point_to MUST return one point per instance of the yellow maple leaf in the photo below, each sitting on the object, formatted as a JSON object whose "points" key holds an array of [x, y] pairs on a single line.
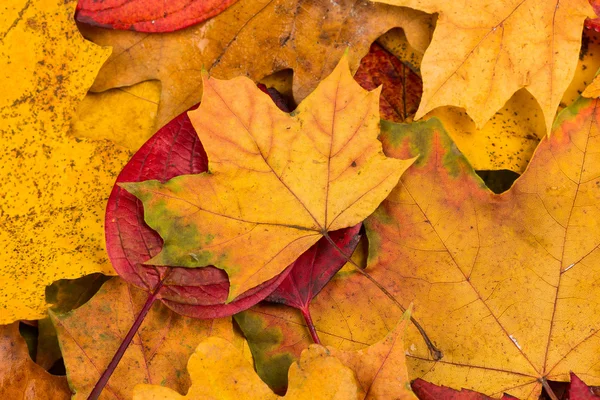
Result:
{"points": [[252, 38], [277, 182], [482, 52], [503, 284], [218, 371]]}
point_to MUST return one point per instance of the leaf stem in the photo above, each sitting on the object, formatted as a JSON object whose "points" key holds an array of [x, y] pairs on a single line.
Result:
{"points": [[309, 323], [549, 390], [435, 353], [95, 393]]}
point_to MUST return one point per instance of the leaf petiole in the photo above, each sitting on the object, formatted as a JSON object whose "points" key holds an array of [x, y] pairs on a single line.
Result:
{"points": [[309, 323]]}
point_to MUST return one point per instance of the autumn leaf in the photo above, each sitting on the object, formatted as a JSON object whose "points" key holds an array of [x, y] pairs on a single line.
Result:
{"points": [[594, 22], [306, 36], [279, 189], [211, 367], [53, 185], [381, 368], [428, 391], [125, 116], [313, 270], [148, 15], [483, 52], [64, 295], [578, 390], [90, 335], [22, 378], [201, 293], [501, 282], [350, 313]]}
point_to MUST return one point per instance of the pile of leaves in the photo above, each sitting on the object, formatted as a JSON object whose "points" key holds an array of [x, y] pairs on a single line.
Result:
{"points": [[221, 199]]}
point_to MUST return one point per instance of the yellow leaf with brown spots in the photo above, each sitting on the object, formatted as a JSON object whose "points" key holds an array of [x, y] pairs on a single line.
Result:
{"points": [[482, 52], [278, 182], [53, 186], [252, 38]]}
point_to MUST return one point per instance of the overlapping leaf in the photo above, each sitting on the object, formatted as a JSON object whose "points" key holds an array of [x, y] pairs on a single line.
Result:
{"points": [[279, 189], [502, 283], [483, 52], [305, 35], [90, 335], [218, 371], [20, 377], [52, 195], [148, 15]]}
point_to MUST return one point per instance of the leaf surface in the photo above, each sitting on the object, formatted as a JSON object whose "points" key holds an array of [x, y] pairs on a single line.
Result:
{"points": [[174, 150], [90, 335], [349, 314], [279, 189], [148, 15], [20, 377], [428, 391], [578, 390], [314, 269], [500, 282], [485, 51], [218, 371], [304, 35], [53, 185]]}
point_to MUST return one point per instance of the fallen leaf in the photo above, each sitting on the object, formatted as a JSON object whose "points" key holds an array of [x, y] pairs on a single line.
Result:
{"points": [[428, 391], [90, 335], [594, 23], [63, 295], [314, 269], [125, 116], [305, 35], [496, 280], [20, 377], [280, 189], [218, 371], [401, 90], [350, 313], [396, 42], [381, 368], [53, 186], [148, 15], [201, 293], [578, 390], [519, 43]]}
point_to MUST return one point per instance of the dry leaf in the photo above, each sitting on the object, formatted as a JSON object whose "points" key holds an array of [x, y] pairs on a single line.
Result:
{"points": [[126, 116], [219, 372], [308, 36], [53, 186], [483, 52], [90, 335], [21, 378], [503, 284], [279, 189]]}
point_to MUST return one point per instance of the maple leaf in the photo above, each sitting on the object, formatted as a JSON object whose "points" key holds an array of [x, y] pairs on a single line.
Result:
{"points": [[578, 390], [503, 283], [53, 185], [483, 52], [90, 335], [148, 15], [306, 36], [211, 366], [22, 378], [277, 181]]}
